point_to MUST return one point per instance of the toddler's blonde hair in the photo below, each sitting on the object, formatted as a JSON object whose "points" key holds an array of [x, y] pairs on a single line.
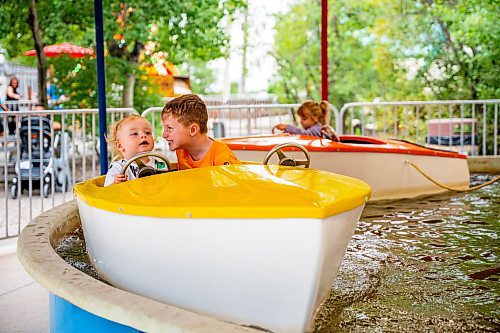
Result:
{"points": [[112, 137]]}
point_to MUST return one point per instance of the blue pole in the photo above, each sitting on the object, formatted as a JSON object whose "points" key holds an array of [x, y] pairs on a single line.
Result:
{"points": [[101, 84]]}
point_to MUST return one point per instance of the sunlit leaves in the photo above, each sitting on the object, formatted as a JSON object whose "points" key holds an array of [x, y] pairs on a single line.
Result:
{"points": [[391, 50]]}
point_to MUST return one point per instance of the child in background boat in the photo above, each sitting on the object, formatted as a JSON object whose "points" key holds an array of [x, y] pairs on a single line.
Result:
{"points": [[184, 122], [128, 137], [312, 118]]}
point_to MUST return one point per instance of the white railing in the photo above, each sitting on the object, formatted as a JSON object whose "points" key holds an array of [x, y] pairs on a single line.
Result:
{"points": [[237, 120], [243, 120], [75, 154], [21, 105], [468, 121], [37, 173]]}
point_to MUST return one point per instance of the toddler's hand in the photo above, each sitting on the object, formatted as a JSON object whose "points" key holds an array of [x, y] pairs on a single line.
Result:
{"points": [[120, 178], [329, 133], [280, 127]]}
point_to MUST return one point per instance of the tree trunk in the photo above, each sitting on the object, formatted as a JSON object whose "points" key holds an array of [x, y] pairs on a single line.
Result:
{"points": [[128, 92], [133, 59], [42, 67], [244, 69]]}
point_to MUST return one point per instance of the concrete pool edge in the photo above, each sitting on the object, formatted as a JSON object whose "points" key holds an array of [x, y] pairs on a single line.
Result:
{"points": [[484, 164], [38, 257]]}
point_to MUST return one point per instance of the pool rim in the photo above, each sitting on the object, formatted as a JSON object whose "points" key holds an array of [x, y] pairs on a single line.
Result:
{"points": [[35, 248]]}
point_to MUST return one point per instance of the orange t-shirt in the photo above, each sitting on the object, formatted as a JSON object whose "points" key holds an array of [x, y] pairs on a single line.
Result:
{"points": [[218, 154]]}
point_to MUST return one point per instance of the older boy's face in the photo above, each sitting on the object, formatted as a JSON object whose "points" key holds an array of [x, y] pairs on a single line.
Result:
{"points": [[177, 135]]}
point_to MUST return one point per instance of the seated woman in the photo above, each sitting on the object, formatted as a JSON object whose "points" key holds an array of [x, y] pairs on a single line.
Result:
{"points": [[313, 116]]}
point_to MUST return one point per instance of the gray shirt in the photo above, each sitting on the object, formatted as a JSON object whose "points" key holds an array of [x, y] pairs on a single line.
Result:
{"points": [[314, 130]]}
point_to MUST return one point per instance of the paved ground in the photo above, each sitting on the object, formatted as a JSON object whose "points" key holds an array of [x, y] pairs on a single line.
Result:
{"points": [[24, 304]]}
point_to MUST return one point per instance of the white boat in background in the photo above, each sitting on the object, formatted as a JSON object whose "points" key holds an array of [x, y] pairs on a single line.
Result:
{"points": [[386, 165], [250, 244]]}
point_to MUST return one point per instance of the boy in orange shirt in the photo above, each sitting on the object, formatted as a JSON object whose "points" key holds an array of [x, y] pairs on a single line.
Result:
{"points": [[185, 128]]}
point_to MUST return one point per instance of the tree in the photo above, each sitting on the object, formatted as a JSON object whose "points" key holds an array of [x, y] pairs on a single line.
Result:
{"points": [[26, 24], [186, 30], [18, 16], [40, 55], [391, 49], [360, 63], [201, 77], [457, 42]]}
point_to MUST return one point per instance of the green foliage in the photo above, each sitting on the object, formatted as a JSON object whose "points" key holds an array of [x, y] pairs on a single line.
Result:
{"points": [[185, 30], [388, 49], [146, 95], [14, 30], [58, 21], [462, 50], [200, 76], [188, 31]]}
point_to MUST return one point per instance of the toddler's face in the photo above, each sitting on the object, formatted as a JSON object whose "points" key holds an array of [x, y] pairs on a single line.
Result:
{"points": [[306, 120], [177, 135], [134, 137]]}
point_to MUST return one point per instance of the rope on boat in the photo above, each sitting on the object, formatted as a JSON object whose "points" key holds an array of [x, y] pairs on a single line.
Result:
{"points": [[494, 180]]}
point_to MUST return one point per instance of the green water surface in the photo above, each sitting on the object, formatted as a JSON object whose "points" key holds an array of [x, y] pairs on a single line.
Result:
{"points": [[429, 264]]}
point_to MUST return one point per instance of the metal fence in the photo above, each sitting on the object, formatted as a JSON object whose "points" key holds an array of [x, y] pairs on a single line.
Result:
{"points": [[467, 126], [20, 105], [48, 152], [73, 145], [242, 120]]}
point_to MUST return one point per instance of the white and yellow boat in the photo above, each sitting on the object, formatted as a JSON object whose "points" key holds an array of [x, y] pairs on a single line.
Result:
{"points": [[249, 244]]}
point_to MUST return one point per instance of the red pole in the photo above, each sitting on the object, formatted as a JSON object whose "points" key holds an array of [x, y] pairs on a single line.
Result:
{"points": [[324, 50]]}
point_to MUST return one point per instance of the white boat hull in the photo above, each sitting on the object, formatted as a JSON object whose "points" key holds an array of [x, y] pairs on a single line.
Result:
{"points": [[389, 176], [272, 273]]}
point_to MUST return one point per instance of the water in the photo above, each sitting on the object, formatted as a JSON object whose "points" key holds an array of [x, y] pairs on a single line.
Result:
{"points": [[429, 264], [72, 250]]}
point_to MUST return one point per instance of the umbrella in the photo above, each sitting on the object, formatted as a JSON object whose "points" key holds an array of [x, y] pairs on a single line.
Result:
{"points": [[70, 50]]}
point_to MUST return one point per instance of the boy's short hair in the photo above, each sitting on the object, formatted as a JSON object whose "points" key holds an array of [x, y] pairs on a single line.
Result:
{"points": [[187, 109]]}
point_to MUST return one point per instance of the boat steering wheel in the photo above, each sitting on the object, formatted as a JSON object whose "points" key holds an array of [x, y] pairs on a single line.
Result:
{"points": [[146, 170], [288, 160]]}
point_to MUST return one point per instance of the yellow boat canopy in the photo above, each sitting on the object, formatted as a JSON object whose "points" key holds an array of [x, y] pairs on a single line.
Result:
{"points": [[232, 191]]}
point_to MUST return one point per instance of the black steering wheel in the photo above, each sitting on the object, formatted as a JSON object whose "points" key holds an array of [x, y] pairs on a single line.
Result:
{"points": [[288, 160], [146, 170]]}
